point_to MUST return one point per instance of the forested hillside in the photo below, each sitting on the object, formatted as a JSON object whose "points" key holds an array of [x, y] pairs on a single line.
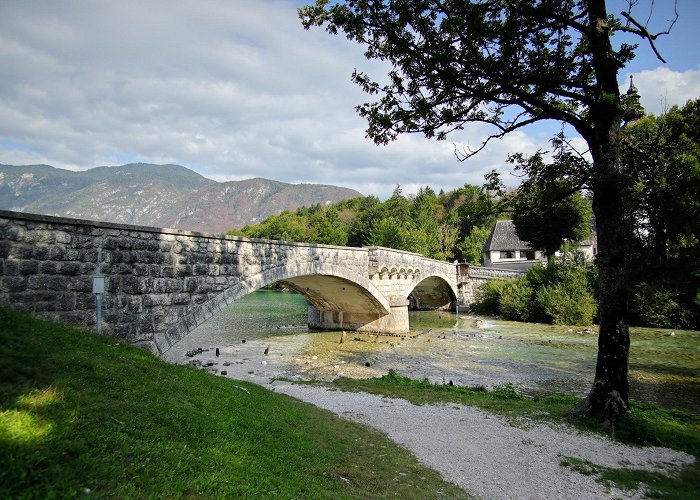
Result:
{"points": [[445, 226]]}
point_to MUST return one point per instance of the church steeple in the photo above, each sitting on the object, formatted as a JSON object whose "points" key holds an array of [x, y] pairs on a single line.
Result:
{"points": [[633, 109]]}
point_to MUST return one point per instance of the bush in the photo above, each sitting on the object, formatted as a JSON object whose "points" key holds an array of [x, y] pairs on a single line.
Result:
{"points": [[516, 300], [658, 307], [488, 298], [568, 302], [560, 293]]}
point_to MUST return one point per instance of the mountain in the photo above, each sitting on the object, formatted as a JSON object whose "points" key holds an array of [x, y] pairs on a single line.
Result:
{"points": [[155, 195]]}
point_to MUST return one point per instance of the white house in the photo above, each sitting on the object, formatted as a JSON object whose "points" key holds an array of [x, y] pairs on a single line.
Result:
{"points": [[504, 249]]}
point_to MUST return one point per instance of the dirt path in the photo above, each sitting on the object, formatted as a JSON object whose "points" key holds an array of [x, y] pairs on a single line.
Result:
{"points": [[484, 454]]}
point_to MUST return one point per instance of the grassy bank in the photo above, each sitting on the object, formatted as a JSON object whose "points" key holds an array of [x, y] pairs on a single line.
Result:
{"points": [[645, 425], [83, 414]]}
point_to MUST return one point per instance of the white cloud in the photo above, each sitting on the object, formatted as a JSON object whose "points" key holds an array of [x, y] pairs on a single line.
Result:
{"points": [[662, 87]]}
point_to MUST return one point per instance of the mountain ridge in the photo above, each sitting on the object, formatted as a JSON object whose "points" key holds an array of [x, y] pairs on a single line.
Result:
{"points": [[155, 195]]}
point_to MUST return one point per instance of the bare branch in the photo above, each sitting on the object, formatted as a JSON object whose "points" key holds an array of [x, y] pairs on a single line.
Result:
{"points": [[572, 148], [468, 152], [642, 31]]}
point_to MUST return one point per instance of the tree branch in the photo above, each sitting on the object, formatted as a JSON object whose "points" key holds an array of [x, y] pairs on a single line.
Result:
{"points": [[643, 32]]}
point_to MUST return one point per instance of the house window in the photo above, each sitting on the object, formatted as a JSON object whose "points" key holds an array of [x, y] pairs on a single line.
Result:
{"points": [[529, 254], [507, 254]]}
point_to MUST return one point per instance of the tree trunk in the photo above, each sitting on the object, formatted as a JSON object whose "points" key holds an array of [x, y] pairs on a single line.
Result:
{"points": [[608, 398]]}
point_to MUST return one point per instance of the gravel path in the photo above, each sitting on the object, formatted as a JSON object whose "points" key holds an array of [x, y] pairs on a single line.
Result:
{"points": [[484, 454]]}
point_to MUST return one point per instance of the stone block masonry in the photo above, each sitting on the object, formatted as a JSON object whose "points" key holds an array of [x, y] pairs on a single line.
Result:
{"points": [[469, 285], [162, 283]]}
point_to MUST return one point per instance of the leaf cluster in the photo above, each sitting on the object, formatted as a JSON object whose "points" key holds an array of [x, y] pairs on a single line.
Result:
{"points": [[503, 63]]}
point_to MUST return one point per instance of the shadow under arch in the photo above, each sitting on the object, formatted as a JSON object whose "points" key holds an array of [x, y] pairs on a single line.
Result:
{"points": [[325, 286], [431, 293]]}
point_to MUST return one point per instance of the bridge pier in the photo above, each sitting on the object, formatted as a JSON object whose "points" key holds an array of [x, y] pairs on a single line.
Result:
{"points": [[394, 322]]}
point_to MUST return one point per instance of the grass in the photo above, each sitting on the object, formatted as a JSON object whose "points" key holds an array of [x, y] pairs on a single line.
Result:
{"points": [[645, 425], [655, 485], [503, 400], [82, 414]]}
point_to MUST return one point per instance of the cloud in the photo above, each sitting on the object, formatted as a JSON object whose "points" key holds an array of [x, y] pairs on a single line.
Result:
{"points": [[662, 87], [233, 90]]}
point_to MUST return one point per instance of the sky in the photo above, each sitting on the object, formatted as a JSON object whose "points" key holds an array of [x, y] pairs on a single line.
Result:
{"points": [[235, 89]]}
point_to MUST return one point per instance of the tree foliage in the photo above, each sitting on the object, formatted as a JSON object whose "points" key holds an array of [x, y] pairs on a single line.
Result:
{"points": [[437, 226], [548, 207], [662, 217]]}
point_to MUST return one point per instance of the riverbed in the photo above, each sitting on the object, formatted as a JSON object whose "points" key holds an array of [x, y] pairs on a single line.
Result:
{"points": [[264, 337]]}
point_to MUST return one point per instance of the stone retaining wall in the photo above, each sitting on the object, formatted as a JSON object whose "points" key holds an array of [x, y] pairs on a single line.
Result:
{"points": [[477, 276]]}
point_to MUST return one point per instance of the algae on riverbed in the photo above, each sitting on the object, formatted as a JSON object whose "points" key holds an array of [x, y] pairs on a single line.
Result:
{"points": [[539, 359]]}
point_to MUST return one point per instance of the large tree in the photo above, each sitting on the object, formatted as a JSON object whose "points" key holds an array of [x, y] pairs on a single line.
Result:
{"points": [[662, 210], [509, 64]]}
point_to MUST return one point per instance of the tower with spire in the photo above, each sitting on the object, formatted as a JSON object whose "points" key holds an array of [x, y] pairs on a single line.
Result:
{"points": [[633, 109]]}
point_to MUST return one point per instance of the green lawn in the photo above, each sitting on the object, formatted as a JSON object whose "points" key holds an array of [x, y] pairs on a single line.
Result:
{"points": [[82, 414]]}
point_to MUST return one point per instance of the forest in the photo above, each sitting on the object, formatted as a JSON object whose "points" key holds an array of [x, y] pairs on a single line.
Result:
{"points": [[550, 208]]}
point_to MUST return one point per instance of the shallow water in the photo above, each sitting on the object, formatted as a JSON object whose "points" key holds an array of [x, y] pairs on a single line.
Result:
{"points": [[538, 359]]}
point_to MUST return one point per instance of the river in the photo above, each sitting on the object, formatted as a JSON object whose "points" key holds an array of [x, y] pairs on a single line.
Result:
{"points": [[467, 350]]}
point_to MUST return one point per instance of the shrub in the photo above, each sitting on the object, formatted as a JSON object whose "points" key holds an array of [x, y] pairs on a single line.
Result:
{"points": [[516, 300], [658, 307], [568, 302], [560, 293], [488, 298]]}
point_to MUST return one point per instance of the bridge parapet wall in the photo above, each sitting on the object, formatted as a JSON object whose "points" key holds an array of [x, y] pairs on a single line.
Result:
{"points": [[493, 273]]}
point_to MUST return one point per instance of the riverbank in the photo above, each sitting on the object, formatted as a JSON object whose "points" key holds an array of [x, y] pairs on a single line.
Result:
{"points": [[84, 415], [483, 452], [537, 359]]}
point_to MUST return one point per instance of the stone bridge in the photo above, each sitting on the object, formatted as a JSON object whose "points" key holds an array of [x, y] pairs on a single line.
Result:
{"points": [[163, 283]]}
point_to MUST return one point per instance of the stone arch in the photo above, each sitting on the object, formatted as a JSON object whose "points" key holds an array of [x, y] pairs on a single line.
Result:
{"points": [[432, 292], [323, 285]]}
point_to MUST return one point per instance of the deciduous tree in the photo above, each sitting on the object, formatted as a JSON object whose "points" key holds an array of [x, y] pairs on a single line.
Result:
{"points": [[548, 207], [509, 64]]}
